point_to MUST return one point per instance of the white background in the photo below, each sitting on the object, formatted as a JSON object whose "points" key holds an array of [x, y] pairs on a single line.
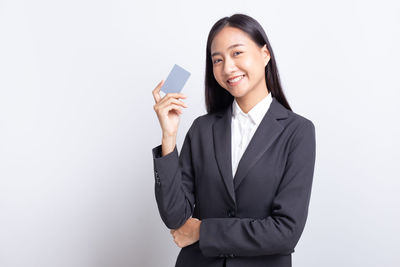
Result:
{"points": [[77, 124]]}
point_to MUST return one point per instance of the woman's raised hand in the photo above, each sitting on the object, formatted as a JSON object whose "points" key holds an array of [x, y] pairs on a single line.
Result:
{"points": [[168, 110]]}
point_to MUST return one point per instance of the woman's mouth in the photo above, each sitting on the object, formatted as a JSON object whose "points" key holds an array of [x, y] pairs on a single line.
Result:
{"points": [[236, 80]]}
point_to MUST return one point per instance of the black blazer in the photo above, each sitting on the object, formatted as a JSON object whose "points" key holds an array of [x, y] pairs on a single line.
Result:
{"points": [[253, 219]]}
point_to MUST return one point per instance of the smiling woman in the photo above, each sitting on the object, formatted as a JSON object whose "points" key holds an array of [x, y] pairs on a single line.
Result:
{"points": [[239, 69], [235, 43], [238, 193]]}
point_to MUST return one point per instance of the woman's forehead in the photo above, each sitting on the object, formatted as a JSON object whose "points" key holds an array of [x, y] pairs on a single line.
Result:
{"points": [[227, 37]]}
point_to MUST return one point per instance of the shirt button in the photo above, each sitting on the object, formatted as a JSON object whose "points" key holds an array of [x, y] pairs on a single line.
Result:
{"points": [[231, 213]]}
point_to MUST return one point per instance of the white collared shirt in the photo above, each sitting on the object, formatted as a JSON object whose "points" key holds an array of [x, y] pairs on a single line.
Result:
{"points": [[244, 125]]}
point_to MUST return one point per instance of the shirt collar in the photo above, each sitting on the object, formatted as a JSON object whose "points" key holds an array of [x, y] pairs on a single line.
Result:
{"points": [[256, 114]]}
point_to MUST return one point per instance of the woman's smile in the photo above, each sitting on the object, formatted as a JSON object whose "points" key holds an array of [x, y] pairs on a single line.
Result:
{"points": [[235, 80]]}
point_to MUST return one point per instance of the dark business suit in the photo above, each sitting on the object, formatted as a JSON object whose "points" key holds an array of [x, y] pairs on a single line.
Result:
{"points": [[253, 219]]}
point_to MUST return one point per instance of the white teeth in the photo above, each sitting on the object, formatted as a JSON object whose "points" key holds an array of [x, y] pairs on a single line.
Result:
{"points": [[236, 79]]}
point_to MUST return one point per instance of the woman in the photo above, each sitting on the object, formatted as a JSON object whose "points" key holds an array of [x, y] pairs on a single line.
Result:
{"points": [[238, 193]]}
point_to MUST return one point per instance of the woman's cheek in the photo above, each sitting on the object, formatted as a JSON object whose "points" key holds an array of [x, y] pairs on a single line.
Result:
{"points": [[220, 81], [216, 77]]}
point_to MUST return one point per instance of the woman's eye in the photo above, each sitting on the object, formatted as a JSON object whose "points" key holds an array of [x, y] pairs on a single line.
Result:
{"points": [[235, 53]]}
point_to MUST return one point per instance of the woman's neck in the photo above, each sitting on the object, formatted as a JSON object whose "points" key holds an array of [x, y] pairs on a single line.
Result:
{"points": [[247, 102]]}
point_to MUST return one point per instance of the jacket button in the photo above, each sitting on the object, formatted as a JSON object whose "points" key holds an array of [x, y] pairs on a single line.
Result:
{"points": [[231, 213], [157, 177], [231, 255]]}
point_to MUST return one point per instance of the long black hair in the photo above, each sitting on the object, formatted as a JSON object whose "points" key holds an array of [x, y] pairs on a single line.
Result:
{"points": [[217, 98]]}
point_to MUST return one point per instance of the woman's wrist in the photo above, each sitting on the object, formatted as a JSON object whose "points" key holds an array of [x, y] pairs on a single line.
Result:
{"points": [[198, 230], [167, 144]]}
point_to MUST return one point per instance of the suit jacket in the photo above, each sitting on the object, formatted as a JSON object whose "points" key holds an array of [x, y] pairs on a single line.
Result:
{"points": [[253, 219]]}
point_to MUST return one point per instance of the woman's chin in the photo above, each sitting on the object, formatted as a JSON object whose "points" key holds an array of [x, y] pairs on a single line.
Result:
{"points": [[237, 92]]}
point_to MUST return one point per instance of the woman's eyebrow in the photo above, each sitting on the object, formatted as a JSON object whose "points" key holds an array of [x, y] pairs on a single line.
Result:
{"points": [[230, 47]]}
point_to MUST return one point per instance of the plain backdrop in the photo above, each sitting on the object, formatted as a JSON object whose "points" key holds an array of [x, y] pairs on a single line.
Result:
{"points": [[77, 124]]}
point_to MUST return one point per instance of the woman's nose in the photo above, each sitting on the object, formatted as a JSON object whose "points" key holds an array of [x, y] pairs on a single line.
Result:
{"points": [[229, 66]]}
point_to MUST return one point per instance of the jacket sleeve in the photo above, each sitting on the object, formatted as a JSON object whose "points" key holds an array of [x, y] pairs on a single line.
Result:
{"points": [[279, 232], [174, 183]]}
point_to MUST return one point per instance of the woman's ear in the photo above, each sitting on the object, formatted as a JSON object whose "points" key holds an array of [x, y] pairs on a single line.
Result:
{"points": [[266, 54]]}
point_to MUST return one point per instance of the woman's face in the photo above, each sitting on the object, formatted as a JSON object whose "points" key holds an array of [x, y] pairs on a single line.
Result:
{"points": [[235, 55]]}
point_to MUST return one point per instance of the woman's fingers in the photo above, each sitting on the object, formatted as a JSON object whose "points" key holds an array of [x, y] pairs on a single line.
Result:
{"points": [[156, 91], [175, 95], [173, 107], [157, 97], [172, 101], [171, 97], [168, 104]]}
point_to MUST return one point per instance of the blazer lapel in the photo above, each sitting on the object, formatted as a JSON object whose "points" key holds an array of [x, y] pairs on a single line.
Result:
{"points": [[222, 147], [266, 133]]}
